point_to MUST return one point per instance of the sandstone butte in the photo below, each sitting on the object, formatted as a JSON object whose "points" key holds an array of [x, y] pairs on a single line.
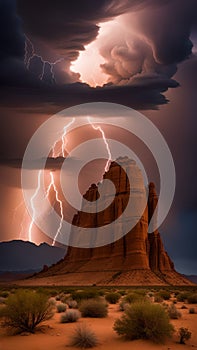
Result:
{"points": [[138, 258]]}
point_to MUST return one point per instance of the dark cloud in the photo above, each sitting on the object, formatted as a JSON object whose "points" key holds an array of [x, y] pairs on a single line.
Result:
{"points": [[168, 29], [50, 163], [140, 95], [64, 29], [70, 25]]}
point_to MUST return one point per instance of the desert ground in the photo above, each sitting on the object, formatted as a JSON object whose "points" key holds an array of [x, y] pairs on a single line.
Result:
{"points": [[55, 335]]}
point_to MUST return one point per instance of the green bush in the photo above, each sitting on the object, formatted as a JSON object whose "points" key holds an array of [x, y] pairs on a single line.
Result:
{"points": [[173, 313], [4, 294], [184, 334], [133, 298], [192, 298], [70, 316], [122, 292], [164, 294], [140, 291], [25, 310], [84, 294], [61, 307], [182, 296], [123, 305], [93, 308], [112, 297], [83, 338], [144, 320]]}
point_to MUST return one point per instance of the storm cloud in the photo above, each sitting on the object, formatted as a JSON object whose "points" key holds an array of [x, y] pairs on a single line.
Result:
{"points": [[140, 70]]}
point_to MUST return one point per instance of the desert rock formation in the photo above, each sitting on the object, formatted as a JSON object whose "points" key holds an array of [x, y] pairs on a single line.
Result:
{"points": [[137, 258]]}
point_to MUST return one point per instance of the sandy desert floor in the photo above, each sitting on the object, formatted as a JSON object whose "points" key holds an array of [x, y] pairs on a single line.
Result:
{"points": [[55, 335]]}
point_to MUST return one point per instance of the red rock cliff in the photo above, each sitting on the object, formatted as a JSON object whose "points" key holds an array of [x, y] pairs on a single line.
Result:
{"points": [[135, 259]]}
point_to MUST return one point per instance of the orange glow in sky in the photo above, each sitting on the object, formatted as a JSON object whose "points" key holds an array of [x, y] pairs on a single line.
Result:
{"points": [[89, 61]]}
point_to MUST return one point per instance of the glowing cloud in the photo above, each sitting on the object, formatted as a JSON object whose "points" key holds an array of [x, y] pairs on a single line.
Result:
{"points": [[121, 54], [89, 61]]}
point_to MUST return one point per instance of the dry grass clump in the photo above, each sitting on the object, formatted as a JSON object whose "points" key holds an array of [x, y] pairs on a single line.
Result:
{"points": [[61, 307], [70, 316], [173, 313], [83, 338]]}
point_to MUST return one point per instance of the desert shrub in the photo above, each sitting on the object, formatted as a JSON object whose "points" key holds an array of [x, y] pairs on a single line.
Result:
{"points": [[61, 307], [140, 291], [173, 313], [182, 296], [2, 300], [158, 298], [184, 334], [53, 292], [165, 305], [50, 292], [70, 316], [112, 298], [25, 310], [72, 304], [192, 310], [101, 292], [123, 305], [192, 298], [144, 320], [83, 338], [133, 297], [93, 308], [122, 292], [84, 294], [163, 295], [4, 294]]}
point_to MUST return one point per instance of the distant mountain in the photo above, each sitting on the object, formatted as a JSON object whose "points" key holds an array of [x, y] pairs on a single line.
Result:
{"points": [[192, 278], [14, 276], [22, 256]]}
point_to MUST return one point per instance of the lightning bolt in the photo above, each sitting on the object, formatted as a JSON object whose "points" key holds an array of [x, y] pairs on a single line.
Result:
{"points": [[52, 182], [64, 142], [98, 127], [52, 185], [16, 209], [23, 218], [34, 213], [22, 224], [30, 54]]}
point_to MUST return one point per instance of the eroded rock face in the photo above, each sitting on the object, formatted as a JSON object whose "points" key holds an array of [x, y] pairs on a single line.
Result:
{"points": [[135, 259], [129, 252]]}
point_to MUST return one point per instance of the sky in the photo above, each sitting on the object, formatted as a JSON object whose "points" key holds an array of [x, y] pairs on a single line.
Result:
{"points": [[138, 53]]}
